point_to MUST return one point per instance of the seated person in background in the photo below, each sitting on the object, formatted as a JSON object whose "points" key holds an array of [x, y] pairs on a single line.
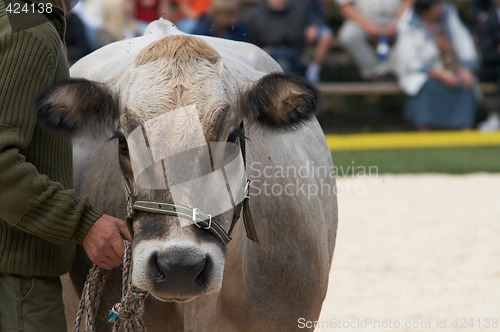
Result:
{"points": [[488, 33], [317, 33], [223, 21], [278, 28], [480, 9], [368, 24], [435, 61], [76, 40], [91, 13], [119, 22], [189, 13]]}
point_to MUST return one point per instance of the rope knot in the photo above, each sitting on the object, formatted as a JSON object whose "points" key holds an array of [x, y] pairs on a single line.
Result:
{"points": [[127, 313], [124, 311], [129, 310]]}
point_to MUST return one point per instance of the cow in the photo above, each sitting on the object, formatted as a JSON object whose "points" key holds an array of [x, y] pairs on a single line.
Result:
{"points": [[231, 92]]}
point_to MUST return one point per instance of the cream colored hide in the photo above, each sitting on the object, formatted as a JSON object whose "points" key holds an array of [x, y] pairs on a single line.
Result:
{"points": [[271, 285]]}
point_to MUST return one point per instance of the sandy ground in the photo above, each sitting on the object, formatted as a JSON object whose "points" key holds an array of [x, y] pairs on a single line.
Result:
{"points": [[416, 253]]}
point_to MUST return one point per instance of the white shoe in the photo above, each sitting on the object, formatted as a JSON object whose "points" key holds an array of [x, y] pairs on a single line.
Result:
{"points": [[492, 123]]}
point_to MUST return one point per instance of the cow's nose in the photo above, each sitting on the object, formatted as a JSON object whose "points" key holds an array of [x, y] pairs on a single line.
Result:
{"points": [[181, 277]]}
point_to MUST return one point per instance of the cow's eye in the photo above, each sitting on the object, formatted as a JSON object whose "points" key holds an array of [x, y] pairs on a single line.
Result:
{"points": [[234, 134], [122, 144]]}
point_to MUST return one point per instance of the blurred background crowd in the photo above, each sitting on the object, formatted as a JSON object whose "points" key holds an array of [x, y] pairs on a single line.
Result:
{"points": [[438, 52]]}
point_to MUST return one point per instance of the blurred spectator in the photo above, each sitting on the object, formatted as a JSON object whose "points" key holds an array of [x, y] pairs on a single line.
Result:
{"points": [[278, 28], [317, 33], [435, 60], [480, 9], [189, 13], [223, 21], [369, 23], [91, 13], [488, 33], [119, 22], [75, 38], [148, 11]]}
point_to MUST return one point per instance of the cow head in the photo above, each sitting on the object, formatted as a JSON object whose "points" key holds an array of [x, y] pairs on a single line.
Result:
{"points": [[179, 96]]}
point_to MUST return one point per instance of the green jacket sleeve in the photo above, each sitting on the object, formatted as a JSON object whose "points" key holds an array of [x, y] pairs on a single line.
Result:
{"points": [[30, 201]]}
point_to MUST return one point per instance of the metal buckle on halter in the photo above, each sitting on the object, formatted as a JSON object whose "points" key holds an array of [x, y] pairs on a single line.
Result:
{"points": [[195, 219]]}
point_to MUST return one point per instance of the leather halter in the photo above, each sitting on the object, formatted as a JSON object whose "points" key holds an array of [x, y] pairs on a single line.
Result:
{"points": [[200, 219]]}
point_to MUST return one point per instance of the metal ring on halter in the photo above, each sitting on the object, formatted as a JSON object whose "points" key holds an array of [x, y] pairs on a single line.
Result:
{"points": [[209, 221]]}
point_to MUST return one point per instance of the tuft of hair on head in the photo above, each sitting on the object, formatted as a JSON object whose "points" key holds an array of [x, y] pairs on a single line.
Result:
{"points": [[74, 106], [281, 101], [178, 48]]}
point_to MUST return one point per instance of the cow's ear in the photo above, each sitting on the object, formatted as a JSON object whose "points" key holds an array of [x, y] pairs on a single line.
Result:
{"points": [[76, 105], [281, 101]]}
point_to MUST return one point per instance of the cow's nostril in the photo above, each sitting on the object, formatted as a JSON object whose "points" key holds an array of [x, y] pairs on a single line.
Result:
{"points": [[183, 275], [202, 277], [160, 277]]}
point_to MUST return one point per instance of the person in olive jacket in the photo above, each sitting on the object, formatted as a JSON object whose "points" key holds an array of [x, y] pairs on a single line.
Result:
{"points": [[41, 218]]}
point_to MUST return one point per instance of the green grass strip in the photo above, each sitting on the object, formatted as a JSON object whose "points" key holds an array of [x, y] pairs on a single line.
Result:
{"points": [[456, 160]]}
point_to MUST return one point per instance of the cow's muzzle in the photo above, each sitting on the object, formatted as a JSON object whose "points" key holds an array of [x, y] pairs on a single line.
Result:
{"points": [[178, 271], [177, 277]]}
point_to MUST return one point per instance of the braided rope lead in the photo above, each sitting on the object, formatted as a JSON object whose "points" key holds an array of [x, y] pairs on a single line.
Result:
{"points": [[130, 309], [92, 292], [128, 312]]}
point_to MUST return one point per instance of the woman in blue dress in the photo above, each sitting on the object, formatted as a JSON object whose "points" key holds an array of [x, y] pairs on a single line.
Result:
{"points": [[435, 62]]}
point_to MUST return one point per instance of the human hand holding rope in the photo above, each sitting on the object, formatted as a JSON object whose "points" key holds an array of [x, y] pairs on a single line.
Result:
{"points": [[104, 242]]}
